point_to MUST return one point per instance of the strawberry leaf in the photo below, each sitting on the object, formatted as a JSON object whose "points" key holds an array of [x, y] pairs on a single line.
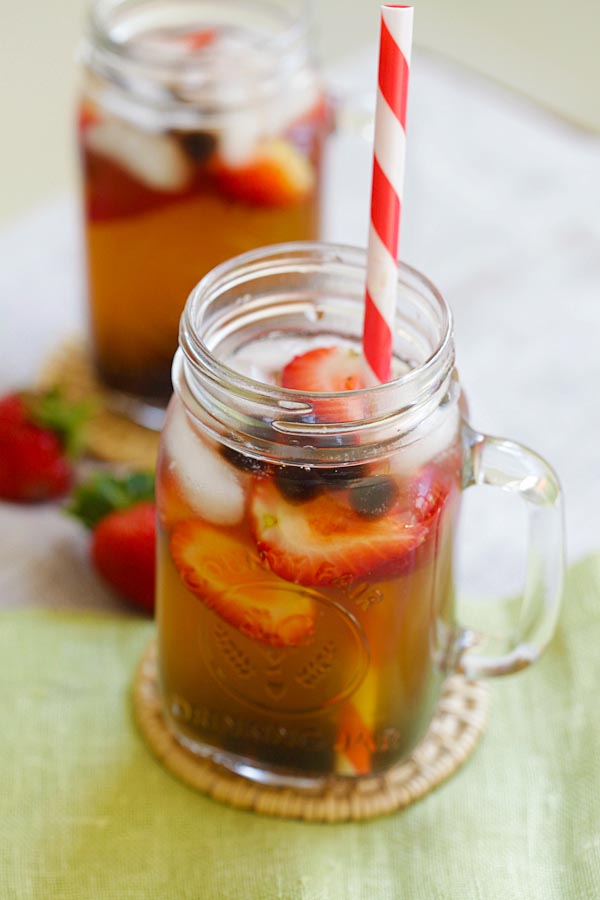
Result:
{"points": [[66, 419], [104, 493]]}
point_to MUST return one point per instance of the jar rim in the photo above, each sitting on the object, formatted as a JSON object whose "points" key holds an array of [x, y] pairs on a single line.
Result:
{"points": [[197, 353], [100, 38]]}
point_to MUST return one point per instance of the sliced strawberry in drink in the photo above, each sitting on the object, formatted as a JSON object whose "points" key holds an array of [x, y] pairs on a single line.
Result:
{"points": [[429, 496], [327, 369], [428, 492], [277, 175], [13, 411], [196, 40], [231, 580], [324, 541]]}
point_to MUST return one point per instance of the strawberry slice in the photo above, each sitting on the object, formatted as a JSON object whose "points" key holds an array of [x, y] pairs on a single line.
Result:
{"points": [[277, 175], [428, 492], [325, 541], [196, 40], [330, 369], [225, 574]]}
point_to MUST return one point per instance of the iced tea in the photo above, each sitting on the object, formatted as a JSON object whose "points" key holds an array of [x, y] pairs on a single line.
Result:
{"points": [[304, 610], [307, 519], [196, 144]]}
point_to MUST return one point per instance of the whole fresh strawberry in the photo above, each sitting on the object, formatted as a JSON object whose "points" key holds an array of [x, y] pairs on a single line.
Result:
{"points": [[121, 515], [40, 436]]}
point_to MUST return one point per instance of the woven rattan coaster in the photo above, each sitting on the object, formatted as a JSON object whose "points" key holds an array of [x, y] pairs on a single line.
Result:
{"points": [[109, 436], [453, 735]]}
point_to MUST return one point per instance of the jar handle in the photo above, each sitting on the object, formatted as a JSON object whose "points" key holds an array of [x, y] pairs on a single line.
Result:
{"points": [[511, 467]]}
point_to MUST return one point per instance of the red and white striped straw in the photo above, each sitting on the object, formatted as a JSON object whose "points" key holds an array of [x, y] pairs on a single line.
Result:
{"points": [[389, 151]]}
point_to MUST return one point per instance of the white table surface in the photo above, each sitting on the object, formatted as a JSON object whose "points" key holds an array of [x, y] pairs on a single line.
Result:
{"points": [[501, 211]]}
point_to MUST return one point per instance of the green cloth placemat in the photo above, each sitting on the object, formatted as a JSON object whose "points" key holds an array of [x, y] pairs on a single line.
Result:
{"points": [[87, 814]]}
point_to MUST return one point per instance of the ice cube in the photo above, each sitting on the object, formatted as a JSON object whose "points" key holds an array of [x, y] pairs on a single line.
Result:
{"points": [[428, 441], [240, 135], [209, 484], [156, 159]]}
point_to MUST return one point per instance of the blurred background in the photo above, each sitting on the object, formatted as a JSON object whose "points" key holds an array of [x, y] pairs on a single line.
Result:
{"points": [[500, 209], [528, 45]]}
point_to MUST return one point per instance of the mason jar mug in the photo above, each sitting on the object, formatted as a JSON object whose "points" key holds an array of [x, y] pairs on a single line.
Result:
{"points": [[306, 602], [201, 130]]}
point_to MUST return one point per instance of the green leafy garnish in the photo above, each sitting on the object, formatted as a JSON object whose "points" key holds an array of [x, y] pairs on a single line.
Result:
{"points": [[104, 492], [67, 419]]}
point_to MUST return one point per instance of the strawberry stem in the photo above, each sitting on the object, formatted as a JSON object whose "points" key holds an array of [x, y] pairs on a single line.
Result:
{"points": [[67, 420], [104, 493]]}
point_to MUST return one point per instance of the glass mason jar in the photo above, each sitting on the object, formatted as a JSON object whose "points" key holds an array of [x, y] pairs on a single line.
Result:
{"points": [[306, 608], [201, 129]]}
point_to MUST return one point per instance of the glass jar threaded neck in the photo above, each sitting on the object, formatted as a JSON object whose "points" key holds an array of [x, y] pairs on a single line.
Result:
{"points": [[307, 292]]}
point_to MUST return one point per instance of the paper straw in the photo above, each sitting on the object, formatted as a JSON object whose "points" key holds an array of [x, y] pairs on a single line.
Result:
{"points": [[389, 149], [356, 726]]}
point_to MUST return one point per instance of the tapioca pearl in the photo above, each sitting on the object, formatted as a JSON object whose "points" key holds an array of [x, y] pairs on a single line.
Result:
{"points": [[209, 483]]}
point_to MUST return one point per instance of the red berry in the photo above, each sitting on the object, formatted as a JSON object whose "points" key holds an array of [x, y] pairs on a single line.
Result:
{"points": [[326, 369], [231, 580], [330, 370], [123, 551], [196, 40], [428, 492], [13, 411], [278, 175], [325, 541], [33, 465], [38, 434]]}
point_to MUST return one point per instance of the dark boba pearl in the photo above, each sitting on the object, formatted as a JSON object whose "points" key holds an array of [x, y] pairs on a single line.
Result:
{"points": [[198, 145], [297, 484], [374, 497], [245, 463], [338, 478]]}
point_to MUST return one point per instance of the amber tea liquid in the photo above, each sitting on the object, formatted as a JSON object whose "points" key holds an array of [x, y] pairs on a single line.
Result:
{"points": [[183, 176], [289, 653]]}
